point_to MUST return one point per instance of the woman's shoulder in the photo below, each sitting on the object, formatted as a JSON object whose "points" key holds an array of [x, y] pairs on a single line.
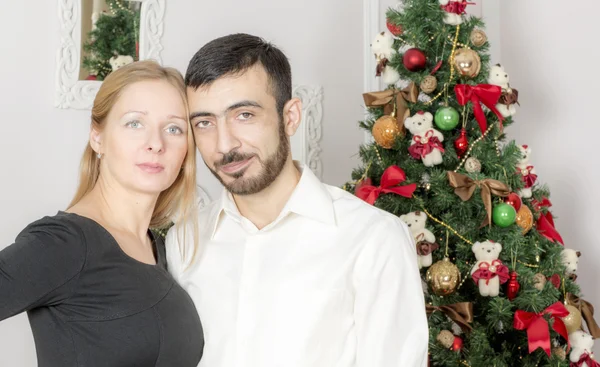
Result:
{"points": [[63, 227]]}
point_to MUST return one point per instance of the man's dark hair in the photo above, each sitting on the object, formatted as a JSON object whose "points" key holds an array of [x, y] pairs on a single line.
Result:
{"points": [[236, 53]]}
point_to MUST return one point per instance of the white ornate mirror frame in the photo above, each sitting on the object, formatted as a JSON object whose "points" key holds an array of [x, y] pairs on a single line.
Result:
{"points": [[79, 94]]}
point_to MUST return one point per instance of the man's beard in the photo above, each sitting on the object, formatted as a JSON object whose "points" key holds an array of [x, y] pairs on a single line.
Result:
{"points": [[270, 168]]}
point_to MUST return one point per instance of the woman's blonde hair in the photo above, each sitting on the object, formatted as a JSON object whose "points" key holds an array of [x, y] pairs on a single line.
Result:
{"points": [[180, 198]]}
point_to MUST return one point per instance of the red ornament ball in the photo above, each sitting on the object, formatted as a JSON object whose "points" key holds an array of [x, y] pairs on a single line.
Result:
{"points": [[513, 200], [395, 29], [461, 144], [513, 286], [457, 344], [414, 59]]}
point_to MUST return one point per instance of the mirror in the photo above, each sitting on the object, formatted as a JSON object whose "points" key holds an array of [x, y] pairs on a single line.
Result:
{"points": [[99, 36], [110, 32]]}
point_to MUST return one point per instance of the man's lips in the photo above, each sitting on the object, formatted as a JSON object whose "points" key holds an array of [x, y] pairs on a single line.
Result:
{"points": [[235, 166]]}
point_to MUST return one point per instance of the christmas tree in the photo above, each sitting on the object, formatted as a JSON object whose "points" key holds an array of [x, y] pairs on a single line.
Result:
{"points": [[498, 279], [115, 34]]}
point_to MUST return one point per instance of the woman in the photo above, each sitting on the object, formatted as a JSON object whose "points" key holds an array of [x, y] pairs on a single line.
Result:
{"points": [[92, 278]]}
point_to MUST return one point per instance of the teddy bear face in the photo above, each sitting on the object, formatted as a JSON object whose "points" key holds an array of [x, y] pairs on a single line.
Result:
{"points": [[118, 62], [570, 259], [419, 123], [581, 340], [486, 250], [382, 44], [498, 76], [525, 153], [414, 220]]}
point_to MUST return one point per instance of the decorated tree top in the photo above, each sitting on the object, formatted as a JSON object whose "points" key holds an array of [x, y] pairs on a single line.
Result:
{"points": [[499, 280]]}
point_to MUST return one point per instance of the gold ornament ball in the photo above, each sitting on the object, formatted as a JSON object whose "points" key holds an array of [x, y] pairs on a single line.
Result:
{"points": [[446, 338], [443, 277], [428, 84], [385, 131], [524, 218], [472, 165], [539, 281], [573, 320], [559, 353], [467, 62], [478, 37]]}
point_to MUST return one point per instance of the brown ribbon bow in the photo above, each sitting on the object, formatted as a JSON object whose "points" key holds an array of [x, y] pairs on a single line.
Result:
{"points": [[385, 99], [464, 186], [587, 311], [426, 248], [461, 313]]}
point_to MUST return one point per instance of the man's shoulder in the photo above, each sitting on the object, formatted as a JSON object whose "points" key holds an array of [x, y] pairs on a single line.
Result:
{"points": [[203, 220], [349, 207]]}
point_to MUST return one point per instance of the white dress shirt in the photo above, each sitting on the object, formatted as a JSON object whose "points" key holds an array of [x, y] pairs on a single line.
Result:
{"points": [[332, 282]]}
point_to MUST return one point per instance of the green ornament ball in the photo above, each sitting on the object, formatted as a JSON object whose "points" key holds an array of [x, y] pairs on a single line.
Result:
{"points": [[446, 118], [504, 215]]}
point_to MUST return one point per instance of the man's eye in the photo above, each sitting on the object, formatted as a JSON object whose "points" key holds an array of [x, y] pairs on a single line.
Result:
{"points": [[202, 124], [245, 115]]}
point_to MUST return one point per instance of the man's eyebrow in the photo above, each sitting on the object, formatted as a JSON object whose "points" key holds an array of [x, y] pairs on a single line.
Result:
{"points": [[246, 103]]}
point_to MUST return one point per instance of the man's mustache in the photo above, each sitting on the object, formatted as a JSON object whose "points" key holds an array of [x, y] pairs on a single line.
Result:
{"points": [[232, 157]]}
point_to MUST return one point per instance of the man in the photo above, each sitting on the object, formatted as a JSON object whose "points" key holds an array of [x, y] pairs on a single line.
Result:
{"points": [[290, 272]]}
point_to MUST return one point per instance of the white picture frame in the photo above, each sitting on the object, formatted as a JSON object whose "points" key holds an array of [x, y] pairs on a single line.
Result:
{"points": [[72, 93]]}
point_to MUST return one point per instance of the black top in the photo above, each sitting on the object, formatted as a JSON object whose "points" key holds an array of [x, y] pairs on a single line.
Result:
{"points": [[90, 304]]}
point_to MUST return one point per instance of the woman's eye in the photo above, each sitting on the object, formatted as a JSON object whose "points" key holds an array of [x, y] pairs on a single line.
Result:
{"points": [[174, 130], [134, 124]]}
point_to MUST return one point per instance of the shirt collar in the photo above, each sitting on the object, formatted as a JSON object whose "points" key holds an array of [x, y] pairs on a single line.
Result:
{"points": [[310, 199]]}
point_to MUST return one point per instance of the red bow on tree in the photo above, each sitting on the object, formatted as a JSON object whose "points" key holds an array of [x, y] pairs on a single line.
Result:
{"points": [[391, 178], [538, 334], [587, 358], [545, 222], [425, 145], [482, 93], [456, 7], [487, 271]]}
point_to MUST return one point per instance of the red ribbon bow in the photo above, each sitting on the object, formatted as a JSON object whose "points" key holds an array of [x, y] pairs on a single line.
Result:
{"points": [[425, 145], [587, 358], [538, 334], [456, 7], [527, 177], [482, 93], [391, 177], [487, 272], [545, 222]]}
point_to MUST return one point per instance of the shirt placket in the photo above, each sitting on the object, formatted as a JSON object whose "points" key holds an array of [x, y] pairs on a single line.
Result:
{"points": [[247, 304]]}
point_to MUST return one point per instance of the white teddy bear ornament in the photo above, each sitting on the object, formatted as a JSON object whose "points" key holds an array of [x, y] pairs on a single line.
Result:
{"points": [[527, 172], [489, 271], [426, 142], [382, 47], [570, 260], [581, 354], [424, 239], [117, 62], [454, 11], [510, 96]]}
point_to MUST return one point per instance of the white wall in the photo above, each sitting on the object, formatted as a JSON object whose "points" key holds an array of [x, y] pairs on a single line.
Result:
{"points": [[40, 146], [552, 58]]}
